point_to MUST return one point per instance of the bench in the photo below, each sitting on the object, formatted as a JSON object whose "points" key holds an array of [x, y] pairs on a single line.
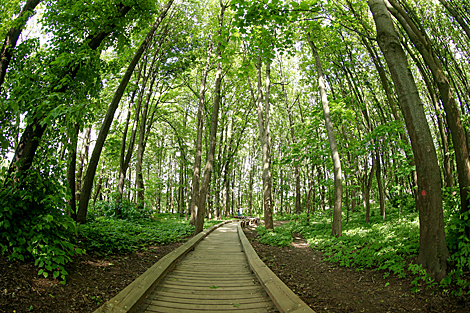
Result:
{"points": [[249, 221]]}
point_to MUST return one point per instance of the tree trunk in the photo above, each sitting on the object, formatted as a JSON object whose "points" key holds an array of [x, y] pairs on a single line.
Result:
{"points": [[298, 208], [378, 176], [263, 122], [72, 209], [200, 125], [460, 19], [433, 251], [338, 179], [83, 160], [424, 46], [91, 170], [213, 133], [125, 158]]}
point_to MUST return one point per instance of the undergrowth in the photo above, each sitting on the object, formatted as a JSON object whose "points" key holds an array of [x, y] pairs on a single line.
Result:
{"points": [[391, 245], [106, 235]]}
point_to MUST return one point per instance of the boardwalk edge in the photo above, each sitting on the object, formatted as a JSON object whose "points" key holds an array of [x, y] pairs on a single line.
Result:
{"points": [[129, 299], [283, 297]]}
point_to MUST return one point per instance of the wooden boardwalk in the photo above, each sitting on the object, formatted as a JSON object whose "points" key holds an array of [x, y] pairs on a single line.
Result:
{"points": [[214, 277], [217, 270]]}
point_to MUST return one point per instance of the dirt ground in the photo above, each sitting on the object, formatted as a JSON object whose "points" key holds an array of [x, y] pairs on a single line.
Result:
{"points": [[92, 280], [325, 287]]}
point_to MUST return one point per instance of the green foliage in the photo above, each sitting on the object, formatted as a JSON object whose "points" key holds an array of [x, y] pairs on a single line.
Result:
{"points": [[458, 243], [380, 245], [107, 235], [129, 210], [280, 236], [420, 276], [33, 224]]}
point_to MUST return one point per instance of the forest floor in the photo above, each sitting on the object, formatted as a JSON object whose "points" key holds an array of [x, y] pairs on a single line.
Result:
{"points": [[326, 287], [94, 279]]}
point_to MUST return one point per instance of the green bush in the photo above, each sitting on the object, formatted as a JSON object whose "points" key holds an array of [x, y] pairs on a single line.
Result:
{"points": [[129, 210], [458, 243], [278, 237], [106, 235], [33, 224]]}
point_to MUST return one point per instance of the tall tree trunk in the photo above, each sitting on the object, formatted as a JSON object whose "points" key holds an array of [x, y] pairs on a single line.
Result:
{"points": [[368, 179], [83, 160], [378, 176], [433, 251], [125, 158], [424, 46], [298, 208], [139, 182], [200, 125], [458, 17], [213, 133], [338, 179], [448, 177], [91, 170], [263, 122]]}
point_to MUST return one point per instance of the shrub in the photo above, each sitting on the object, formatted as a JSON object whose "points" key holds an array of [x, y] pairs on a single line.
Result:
{"points": [[33, 224], [277, 237]]}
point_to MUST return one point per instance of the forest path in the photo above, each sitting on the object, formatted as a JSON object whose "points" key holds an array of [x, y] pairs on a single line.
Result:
{"points": [[214, 277]]}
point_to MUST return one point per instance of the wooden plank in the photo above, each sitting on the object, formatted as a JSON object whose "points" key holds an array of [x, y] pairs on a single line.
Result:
{"points": [[207, 282], [173, 310], [209, 307], [212, 301], [195, 276], [210, 294], [190, 274], [219, 288]]}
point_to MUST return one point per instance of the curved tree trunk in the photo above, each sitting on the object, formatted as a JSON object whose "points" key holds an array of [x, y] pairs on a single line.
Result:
{"points": [[424, 46], [433, 251], [91, 170]]}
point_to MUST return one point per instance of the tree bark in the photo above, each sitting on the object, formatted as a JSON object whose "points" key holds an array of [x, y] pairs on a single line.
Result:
{"points": [[125, 158], [465, 26], [72, 209], [338, 179], [91, 170], [433, 251]]}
